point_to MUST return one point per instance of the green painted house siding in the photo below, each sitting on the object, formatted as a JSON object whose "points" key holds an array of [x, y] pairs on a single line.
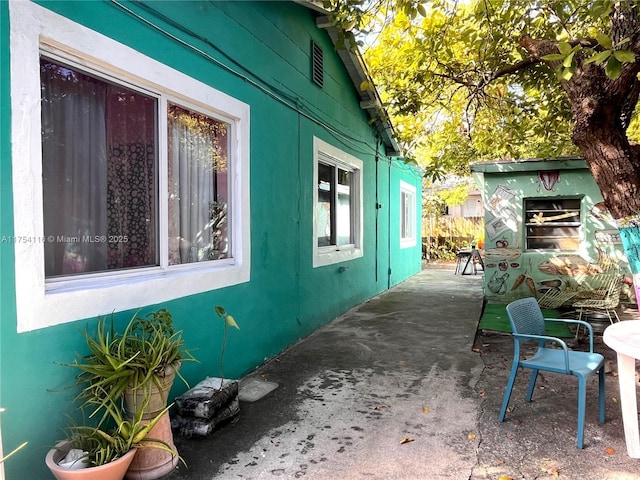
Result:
{"points": [[257, 53]]}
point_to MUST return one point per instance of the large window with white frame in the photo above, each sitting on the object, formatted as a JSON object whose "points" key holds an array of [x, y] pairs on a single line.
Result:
{"points": [[337, 232], [138, 180], [407, 215], [100, 157]]}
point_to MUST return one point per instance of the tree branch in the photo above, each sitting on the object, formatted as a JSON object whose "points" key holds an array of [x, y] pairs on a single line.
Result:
{"points": [[511, 69], [536, 48]]}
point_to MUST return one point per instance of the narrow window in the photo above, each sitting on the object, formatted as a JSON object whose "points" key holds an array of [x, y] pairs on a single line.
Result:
{"points": [[407, 215], [325, 210], [198, 187], [553, 224], [334, 216], [337, 205], [344, 223]]}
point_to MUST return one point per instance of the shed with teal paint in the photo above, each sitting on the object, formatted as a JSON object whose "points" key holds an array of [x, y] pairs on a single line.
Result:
{"points": [[546, 226]]}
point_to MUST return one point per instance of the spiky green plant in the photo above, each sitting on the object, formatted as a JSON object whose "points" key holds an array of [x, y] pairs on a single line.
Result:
{"points": [[115, 434], [136, 358]]}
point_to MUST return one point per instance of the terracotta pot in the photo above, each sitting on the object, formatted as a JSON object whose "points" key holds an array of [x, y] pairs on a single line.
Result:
{"points": [[111, 471], [133, 397], [151, 463]]}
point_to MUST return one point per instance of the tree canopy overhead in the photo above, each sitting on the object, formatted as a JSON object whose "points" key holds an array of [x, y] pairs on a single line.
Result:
{"points": [[458, 77], [506, 79]]}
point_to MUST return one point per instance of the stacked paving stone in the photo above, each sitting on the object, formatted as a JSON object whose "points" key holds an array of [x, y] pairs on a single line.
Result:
{"points": [[210, 403]]}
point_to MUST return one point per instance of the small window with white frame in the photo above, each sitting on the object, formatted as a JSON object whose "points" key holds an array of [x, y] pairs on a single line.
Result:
{"points": [[140, 174], [407, 215], [337, 225]]}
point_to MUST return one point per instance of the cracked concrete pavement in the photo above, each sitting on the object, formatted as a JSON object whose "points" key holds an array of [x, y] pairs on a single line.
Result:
{"points": [[401, 387]]}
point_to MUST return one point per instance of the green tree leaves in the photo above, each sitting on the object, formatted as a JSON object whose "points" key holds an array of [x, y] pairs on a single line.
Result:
{"points": [[503, 79], [460, 86], [445, 98]]}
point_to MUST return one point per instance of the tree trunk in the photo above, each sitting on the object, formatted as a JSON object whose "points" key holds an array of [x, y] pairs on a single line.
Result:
{"points": [[600, 133], [601, 109], [613, 164]]}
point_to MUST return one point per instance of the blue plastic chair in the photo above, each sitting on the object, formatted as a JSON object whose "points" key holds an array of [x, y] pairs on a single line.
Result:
{"points": [[528, 324]]}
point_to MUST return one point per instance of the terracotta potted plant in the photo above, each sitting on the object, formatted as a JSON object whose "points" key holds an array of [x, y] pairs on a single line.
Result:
{"points": [[138, 367], [104, 451]]}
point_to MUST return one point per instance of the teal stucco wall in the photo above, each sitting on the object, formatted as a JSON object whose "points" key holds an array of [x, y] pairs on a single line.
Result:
{"points": [[257, 52], [505, 187], [404, 258]]}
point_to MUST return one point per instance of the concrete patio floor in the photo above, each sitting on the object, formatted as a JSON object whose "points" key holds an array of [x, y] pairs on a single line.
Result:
{"points": [[403, 387]]}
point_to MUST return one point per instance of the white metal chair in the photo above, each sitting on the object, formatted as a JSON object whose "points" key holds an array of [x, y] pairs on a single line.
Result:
{"points": [[600, 293], [554, 297]]}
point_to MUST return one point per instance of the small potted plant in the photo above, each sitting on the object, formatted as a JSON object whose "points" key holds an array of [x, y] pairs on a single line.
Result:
{"points": [[144, 358], [138, 366], [104, 451]]}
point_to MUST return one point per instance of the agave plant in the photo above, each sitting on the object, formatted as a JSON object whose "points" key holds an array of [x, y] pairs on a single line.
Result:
{"points": [[136, 358], [115, 435]]}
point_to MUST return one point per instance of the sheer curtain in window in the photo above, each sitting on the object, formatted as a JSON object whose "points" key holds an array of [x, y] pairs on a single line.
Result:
{"points": [[197, 187], [74, 170]]}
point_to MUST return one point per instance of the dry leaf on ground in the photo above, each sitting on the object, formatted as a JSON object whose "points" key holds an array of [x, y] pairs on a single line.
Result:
{"points": [[552, 471]]}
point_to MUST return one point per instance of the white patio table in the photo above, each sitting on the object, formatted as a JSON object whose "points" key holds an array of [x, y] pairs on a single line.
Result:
{"points": [[624, 338]]}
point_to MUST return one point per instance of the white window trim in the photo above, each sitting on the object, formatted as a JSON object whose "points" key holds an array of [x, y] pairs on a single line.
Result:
{"points": [[408, 242], [329, 255], [42, 304]]}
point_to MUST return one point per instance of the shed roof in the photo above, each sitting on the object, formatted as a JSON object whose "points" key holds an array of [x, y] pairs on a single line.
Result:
{"points": [[529, 164]]}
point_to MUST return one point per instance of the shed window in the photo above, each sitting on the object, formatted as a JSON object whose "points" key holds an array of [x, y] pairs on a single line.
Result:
{"points": [[553, 224]]}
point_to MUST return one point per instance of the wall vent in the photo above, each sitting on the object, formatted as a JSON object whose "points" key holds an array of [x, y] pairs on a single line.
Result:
{"points": [[317, 64]]}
